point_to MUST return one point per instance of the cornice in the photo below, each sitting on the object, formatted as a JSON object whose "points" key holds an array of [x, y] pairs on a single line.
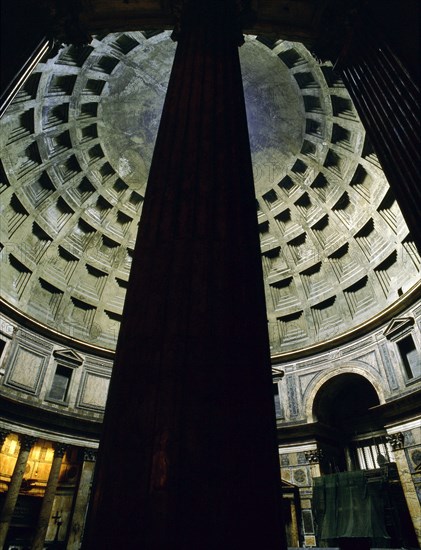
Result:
{"points": [[402, 304], [408, 299], [32, 324]]}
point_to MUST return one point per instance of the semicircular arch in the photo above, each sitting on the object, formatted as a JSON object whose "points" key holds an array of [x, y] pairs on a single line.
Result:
{"points": [[326, 376]]}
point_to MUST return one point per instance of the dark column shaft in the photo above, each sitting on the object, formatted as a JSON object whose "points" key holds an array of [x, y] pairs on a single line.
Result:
{"points": [[188, 459], [38, 542], [388, 101]]}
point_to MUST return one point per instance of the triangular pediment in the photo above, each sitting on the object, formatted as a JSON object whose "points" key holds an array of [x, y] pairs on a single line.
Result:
{"points": [[68, 356], [399, 327], [277, 372]]}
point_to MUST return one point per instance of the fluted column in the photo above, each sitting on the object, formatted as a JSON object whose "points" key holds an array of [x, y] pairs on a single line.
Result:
{"points": [[81, 502], [48, 500], [26, 443], [188, 457], [387, 99]]}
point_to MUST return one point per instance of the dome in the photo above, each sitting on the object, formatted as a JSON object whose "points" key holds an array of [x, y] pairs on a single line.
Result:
{"points": [[76, 146]]}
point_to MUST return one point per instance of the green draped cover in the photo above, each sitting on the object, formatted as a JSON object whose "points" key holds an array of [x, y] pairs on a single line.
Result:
{"points": [[349, 505]]}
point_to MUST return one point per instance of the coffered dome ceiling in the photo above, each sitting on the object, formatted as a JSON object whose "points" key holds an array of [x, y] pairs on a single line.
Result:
{"points": [[76, 146]]}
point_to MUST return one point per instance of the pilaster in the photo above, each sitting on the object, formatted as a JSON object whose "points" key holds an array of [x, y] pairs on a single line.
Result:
{"points": [[82, 498], [400, 443]]}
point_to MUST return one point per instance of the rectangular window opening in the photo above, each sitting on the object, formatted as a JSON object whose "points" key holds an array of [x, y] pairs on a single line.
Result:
{"points": [[61, 383], [277, 400], [2, 346], [410, 357], [373, 454]]}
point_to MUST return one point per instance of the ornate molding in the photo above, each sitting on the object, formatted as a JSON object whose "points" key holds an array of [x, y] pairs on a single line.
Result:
{"points": [[314, 456], [27, 442], [60, 450], [396, 440], [399, 327], [277, 373], [68, 357], [89, 455]]}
